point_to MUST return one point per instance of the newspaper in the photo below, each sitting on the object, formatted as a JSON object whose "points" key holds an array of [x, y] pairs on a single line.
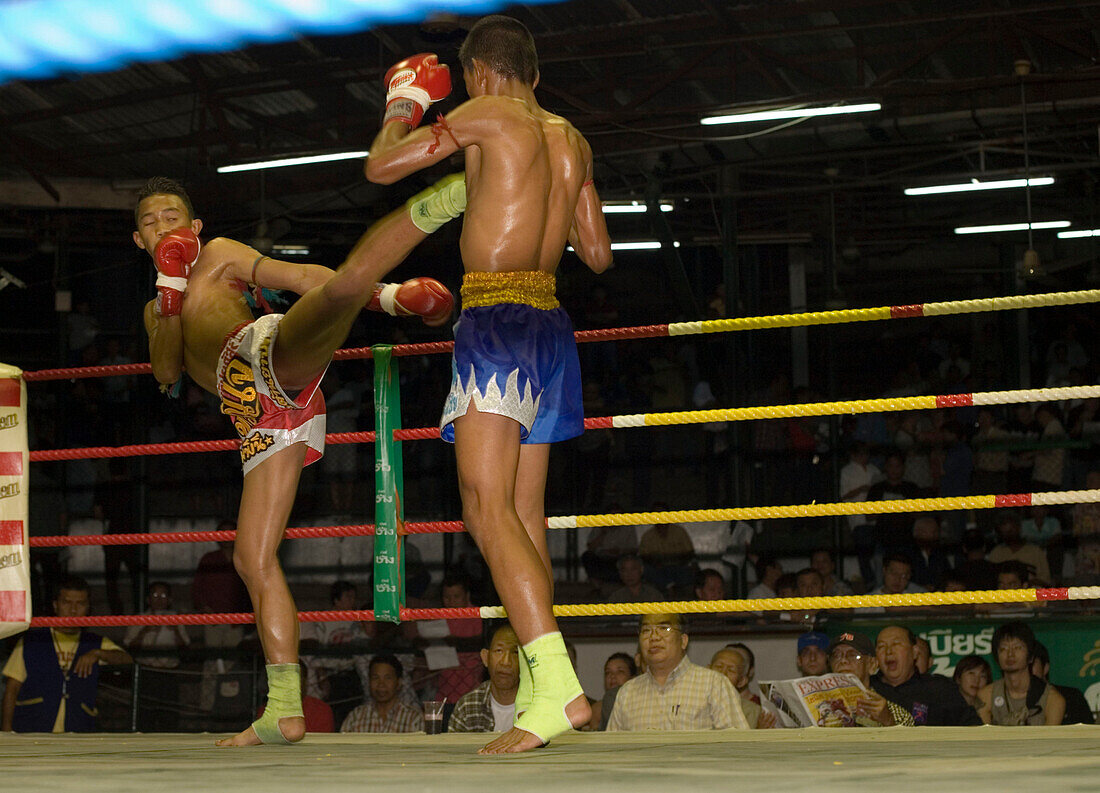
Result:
{"points": [[824, 701]]}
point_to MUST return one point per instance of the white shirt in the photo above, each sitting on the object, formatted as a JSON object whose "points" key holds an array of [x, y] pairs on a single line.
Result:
{"points": [[503, 715]]}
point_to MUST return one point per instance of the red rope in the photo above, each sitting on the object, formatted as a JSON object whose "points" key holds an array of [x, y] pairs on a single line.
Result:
{"points": [[117, 620], [351, 353], [294, 533]]}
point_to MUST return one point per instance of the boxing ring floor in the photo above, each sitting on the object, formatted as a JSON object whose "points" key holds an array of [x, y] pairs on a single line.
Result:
{"points": [[928, 758]]}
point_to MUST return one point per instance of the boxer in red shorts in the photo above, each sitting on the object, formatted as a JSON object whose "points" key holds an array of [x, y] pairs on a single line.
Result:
{"points": [[266, 374]]}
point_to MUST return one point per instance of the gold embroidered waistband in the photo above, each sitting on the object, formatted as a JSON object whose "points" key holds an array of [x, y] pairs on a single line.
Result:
{"points": [[529, 287]]}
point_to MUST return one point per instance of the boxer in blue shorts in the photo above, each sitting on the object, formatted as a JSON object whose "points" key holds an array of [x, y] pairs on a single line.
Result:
{"points": [[515, 356], [515, 389]]}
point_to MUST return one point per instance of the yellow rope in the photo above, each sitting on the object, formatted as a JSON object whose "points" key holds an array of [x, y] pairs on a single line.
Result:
{"points": [[791, 511], [1010, 302], [787, 604], [854, 406]]}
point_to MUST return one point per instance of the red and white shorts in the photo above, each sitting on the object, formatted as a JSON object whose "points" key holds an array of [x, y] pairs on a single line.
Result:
{"points": [[266, 417]]}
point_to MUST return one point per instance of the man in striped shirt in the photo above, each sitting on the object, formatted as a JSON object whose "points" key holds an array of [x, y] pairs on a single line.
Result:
{"points": [[384, 712], [674, 693]]}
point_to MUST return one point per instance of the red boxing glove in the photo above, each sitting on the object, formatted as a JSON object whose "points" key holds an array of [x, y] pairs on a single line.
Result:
{"points": [[175, 254], [425, 297], [412, 85]]}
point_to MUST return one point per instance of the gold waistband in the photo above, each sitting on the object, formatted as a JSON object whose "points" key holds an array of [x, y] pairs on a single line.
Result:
{"points": [[530, 287]]}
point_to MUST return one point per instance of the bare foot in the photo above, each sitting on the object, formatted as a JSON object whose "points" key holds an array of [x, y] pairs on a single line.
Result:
{"points": [[293, 729], [579, 712]]}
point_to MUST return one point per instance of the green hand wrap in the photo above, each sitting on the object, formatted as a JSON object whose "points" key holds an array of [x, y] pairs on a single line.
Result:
{"points": [[443, 201], [526, 691], [284, 700], [555, 686]]}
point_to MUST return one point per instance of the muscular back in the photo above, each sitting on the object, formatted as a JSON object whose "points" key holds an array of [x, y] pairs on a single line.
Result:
{"points": [[523, 177]]}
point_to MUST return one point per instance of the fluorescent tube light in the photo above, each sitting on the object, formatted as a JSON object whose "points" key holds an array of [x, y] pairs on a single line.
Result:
{"points": [[631, 207], [1078, 233], [291, 250], [283, 163], [778, 115], [975, 185], [1046, 224], [639, 245]]}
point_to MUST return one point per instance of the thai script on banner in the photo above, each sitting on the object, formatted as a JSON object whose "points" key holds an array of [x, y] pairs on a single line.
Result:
{"points": [[15, 596]]}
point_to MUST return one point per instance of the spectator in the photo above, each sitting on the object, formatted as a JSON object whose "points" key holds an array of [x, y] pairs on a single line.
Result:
{"points": [[606, 545], [491, 707], [1086, 565], [853, 653], [1086, 517], [922, 655], [990, 475], [634, 588], [894, 530], [750, 671], [824, 561], [958, 465], [972, 674], [341, 461], [1049, 464], [1013, 547], [974, 569], [384, 712], [52, 675], [218, 589], [813, 654], [709, 585], [930, 699], [116, 503], [668, 553], [768, 573], [317, 713], [929, 560], [897, 575], [160, 711], [1077, 707], [700, 698], [617, 669], [465, 637], [787, 586], [733, 665], [324, 648], [1019, 697], [856, 479]]}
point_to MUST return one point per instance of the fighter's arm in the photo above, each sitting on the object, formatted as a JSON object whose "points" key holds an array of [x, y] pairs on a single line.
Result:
{"points": [[165, 344], [399, 150], [252, 267], [588, 233]]}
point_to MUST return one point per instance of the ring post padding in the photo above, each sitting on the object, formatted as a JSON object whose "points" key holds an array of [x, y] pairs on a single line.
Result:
{"points": [[389, 589], [15, 577]]}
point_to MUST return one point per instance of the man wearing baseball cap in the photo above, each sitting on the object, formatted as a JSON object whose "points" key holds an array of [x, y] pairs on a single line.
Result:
{"points": [[854, 654], [813, 656]]}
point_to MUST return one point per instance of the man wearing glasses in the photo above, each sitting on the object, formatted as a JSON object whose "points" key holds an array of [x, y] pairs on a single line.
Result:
{"points": [[674, 693], [853, 653]]}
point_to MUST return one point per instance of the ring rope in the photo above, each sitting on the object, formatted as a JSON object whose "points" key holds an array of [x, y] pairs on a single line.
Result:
{"points": [[612, 609], [627, 421], [940, 504], [834, 317]]}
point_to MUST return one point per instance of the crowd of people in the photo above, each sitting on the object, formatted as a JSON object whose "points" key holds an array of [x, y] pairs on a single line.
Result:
{"points": [[367, 677]]}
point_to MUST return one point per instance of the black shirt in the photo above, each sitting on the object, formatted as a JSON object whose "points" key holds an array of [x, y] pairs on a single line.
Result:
{"points": [[895, 529], [933, 700], [1077, 707]]}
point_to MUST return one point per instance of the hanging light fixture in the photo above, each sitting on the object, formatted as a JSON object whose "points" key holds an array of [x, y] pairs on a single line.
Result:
{"points": [[1032, 267]]}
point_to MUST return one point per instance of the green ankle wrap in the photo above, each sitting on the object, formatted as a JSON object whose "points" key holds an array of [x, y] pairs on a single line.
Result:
{"points": [[526, 690], [284, 700], [443, 201], [554, 685]]}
